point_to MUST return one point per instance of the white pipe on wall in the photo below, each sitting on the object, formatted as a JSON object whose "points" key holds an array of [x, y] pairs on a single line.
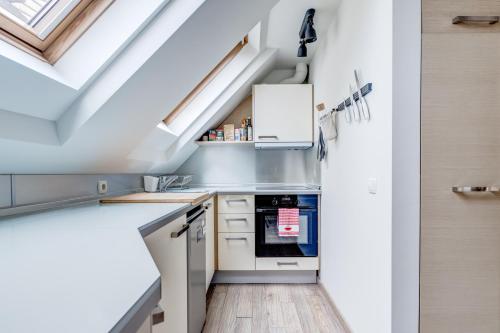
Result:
{"points": [[299, 76]]}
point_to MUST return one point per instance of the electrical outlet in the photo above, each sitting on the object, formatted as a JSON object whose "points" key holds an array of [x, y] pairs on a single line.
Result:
{"points": [[102, 186]]}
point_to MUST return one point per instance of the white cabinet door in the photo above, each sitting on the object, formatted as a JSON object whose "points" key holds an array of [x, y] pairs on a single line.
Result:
{"points": [[210, 240], [283, 113], [236, 251], [170, 256]]}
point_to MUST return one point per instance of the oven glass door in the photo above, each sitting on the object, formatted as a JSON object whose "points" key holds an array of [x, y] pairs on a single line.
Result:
{"points": [[269, 243]]}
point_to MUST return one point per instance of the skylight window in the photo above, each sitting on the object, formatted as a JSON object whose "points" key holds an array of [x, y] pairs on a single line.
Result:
{"points": [[47, 28], [26, 11], [204, 83]]}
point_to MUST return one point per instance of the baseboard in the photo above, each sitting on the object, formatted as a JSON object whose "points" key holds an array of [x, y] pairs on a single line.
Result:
{"points": [[265, 277], [329, 299]]}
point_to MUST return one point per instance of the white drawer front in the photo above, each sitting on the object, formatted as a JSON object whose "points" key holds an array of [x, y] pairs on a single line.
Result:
{"points": [[236, 222], [234, 204], [236, 251], [287, 264]]}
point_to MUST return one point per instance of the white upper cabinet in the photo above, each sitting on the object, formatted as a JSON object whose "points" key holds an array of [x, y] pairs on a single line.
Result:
{"points": [[283, 115]]}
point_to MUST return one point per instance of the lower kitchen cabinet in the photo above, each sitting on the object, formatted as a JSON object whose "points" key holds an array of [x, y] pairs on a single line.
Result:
{"points": [[170, 256], [210, 240], [287, 264], [236, 251]]}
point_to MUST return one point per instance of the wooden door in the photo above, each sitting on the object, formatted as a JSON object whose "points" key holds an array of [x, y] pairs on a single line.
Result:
{"points": [[460, 233]]}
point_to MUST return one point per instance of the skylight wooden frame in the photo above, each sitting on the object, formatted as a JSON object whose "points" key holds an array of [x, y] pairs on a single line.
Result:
{"points": [[64, 35], [206, 80]]}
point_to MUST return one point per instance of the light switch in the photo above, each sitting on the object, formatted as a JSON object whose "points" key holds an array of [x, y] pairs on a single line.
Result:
{"points": [[372, 185]]}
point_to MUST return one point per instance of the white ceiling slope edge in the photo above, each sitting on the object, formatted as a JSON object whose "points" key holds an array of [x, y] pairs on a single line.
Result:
{"points": [[121, 108]]}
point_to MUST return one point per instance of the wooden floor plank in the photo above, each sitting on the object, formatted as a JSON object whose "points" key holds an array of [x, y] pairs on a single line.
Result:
{"points": [[272, 301], [291, 317], [214, 312], [243, 325], [244, 309], [271, 308], [305, 314], [259, 310]]}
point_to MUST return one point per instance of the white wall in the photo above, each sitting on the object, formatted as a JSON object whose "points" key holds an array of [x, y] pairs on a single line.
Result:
{"points": [[356, 225]]}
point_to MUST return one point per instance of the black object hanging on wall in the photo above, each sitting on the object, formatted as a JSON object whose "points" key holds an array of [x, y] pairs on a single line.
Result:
{"points": [[307, 33]]}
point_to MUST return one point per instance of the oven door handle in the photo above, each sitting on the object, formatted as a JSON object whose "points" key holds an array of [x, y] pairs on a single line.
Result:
{"points": [[264, 210], [275, 210]]}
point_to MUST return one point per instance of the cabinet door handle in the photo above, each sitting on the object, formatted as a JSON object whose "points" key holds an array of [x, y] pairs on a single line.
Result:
{"points": [[236, 200], [237, 220], [177, 234], [287, 263], [268, 137], [476, 189], [476, 19], [235, 238]]}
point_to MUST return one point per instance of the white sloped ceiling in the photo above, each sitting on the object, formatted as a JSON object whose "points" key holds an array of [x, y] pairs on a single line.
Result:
{"points": [[121, 108]]}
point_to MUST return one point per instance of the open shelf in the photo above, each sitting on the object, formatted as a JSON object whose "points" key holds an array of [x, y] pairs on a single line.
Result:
{"points": [[224, 143]]}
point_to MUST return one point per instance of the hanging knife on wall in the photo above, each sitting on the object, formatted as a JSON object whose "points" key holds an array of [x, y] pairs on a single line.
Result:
{"points": [[362, 101]]}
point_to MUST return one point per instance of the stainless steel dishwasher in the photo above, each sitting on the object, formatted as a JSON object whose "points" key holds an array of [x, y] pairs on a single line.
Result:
{"points": [[196, 269]]}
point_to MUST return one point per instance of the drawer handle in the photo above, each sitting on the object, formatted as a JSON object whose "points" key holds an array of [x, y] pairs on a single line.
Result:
{"points": [[476, 189], [236, 238], [287, 263], [180, 232], [237, 220], [268, 137], [236, 200], [476, 19]]}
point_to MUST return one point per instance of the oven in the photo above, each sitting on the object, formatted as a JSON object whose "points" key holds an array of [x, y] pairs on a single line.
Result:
{"points": [[274, 237]]}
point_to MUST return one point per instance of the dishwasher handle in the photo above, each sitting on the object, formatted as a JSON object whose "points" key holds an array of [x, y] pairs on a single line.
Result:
{"points": [[177, 234]]}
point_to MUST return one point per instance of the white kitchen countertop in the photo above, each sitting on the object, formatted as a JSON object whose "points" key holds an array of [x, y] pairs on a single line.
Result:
{"points": [[77, 269], [86, 268]]}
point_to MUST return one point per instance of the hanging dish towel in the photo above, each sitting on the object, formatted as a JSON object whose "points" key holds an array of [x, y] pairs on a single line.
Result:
{"points": [[328, 124], [288, 222]]}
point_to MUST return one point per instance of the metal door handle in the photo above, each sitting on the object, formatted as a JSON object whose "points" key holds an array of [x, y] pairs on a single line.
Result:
{"points": [[268, 137], [476, 19], [180, 232], [237, 220], [476, 189], [288, 263], [236, 200], [235, 238]]}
